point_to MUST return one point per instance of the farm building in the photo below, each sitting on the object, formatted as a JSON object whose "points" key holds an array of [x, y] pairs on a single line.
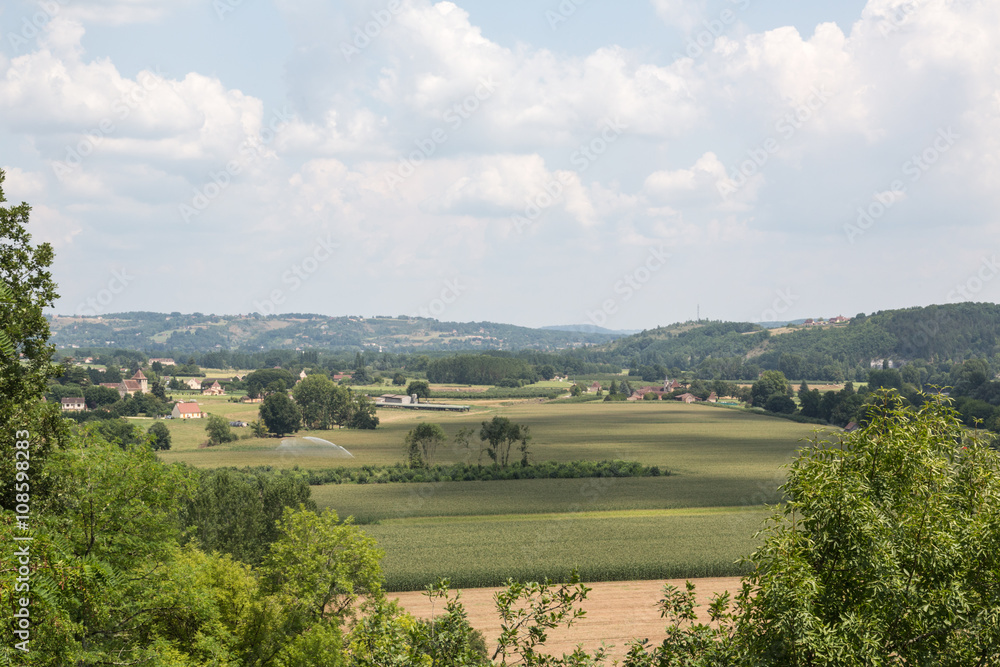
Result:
{"points": [[687, 398], [164, 362], [193, 383], [396, 399], [594, 388], [187, 411]]}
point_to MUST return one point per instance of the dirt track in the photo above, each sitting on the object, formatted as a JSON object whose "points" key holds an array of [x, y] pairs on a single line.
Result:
{"points": [[616, 612]]}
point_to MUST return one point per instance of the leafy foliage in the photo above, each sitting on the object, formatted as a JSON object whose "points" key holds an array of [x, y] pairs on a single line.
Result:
{"points": [[280, 414]]}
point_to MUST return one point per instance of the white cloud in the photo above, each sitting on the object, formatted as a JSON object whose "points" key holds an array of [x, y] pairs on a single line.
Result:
{"points": [[819, 122]]}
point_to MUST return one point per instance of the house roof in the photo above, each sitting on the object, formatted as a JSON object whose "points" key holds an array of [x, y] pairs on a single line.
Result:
{"points": [[131, 385], [71, 401], [188, 408], [138, 375]]}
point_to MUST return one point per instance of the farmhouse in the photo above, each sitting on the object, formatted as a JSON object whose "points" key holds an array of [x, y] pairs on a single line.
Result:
{"points": [[214, 390], [187, 411], [73, 404], [687, 398], [594, 388], [163, 362], [193, 383]]}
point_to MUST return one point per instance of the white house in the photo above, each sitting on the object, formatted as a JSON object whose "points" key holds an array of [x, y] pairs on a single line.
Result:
{"points": [[73, 404]]}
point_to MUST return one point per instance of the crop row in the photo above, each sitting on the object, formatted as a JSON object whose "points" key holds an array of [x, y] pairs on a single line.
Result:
{"points": [[617, 548]]}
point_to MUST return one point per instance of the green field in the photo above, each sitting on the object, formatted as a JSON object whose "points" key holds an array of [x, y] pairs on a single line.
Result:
{"points": [[699, 521], [684, 438], [603, 546]]}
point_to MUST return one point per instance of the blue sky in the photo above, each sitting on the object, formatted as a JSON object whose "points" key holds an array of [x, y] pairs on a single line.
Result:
{"points": [[529, 162]]}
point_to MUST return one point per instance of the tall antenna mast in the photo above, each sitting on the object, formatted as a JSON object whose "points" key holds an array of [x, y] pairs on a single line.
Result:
{"points": [[699, 312]]}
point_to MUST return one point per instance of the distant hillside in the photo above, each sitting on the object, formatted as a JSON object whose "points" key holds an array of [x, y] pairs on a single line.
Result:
{"points": [[196, 332], [739, 350], [591, 328]]}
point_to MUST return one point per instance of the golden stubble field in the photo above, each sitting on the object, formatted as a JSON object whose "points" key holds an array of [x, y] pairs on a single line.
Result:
{"points": [[617, 612]]}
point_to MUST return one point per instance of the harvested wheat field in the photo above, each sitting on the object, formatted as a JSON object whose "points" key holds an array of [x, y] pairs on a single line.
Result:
{"points": [[616, 612]]}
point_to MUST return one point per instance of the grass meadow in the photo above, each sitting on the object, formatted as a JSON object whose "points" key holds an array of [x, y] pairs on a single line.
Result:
{"points": [[698, 521]]}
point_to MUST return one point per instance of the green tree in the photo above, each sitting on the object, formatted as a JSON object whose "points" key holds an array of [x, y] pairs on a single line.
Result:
{"points": [[770, 383], [421, 443], [884, 551], [501, 433], [280, 415], [363, 416], [159, 436], [26, 288], [780, 403], [157, 391], [314, 396], [399, 379], [218, 430], [419, 387], [237, 512], [322, 564], [119, 431], [98, 397], [810, 402]]}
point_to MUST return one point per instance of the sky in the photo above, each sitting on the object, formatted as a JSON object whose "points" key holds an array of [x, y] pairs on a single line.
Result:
{"points": [[535, 162]]}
